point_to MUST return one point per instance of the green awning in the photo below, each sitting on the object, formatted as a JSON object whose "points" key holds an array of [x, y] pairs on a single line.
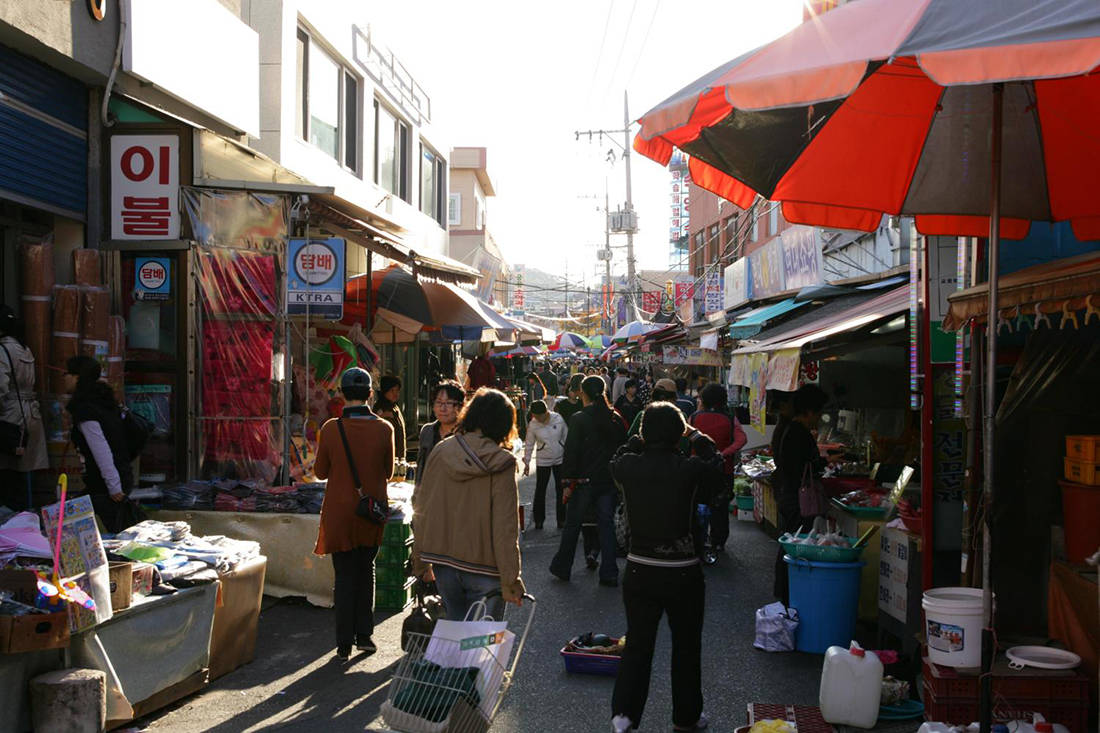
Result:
{"points": [[753, 322]]}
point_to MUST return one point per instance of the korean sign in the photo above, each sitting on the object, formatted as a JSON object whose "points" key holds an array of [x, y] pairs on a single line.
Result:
{"points": [[145, 187], [152, 278], [691, 356], [738, 286], [712, 293], [315, 278], [801, 256], [767, 270]]}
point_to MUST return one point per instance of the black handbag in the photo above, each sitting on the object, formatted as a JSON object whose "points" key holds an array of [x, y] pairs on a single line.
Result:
{"points": [[13, 438], [421, 620], [369, 508]]}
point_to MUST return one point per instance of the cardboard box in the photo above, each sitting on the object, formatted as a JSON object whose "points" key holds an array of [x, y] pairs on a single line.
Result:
{"points": [[121, 576], [33, 632], [141, 579]]}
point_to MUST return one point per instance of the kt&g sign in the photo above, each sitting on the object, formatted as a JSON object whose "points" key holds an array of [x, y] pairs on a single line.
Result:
{"points": [[315, 278]]}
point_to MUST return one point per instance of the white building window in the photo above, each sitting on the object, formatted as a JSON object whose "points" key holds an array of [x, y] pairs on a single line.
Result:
{"points": [[391, 152], [755, 227], [454, 210], [326, 103], [773, 220], [433, 183], [479, 210]]}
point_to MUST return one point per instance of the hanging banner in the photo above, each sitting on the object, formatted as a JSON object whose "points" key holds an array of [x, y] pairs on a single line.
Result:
{"points": [[685, 289], [783, 370], [712, 292], [758, 394], [738, 287], [801, 256], [691, 356], [315, 276], [766, 268], [651, 301]]}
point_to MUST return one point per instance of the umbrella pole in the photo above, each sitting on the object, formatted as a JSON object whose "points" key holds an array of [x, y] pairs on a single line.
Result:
{"points": [[988, 639]]}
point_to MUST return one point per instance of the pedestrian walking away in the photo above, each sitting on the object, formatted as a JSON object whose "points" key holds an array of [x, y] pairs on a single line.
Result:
{"points": [[715, 421], [448, 397], [467, 511], [546, 434], [18, 407], [355, 454], [661, 488], [595, 433]]}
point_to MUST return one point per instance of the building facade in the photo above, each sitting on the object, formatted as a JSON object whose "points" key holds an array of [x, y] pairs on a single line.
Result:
{"points": [[471, 241]]}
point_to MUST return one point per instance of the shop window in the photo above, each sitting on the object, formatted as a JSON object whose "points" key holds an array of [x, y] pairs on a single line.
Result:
{"points": [[391, 152], [773, 220], [326, 103], [731, 235], [712, 243], [433, 183], [479, 210], [454, 210], [754, 236]]}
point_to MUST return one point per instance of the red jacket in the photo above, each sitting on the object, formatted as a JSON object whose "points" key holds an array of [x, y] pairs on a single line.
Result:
{"points": [[724, 430], [482, 373]]}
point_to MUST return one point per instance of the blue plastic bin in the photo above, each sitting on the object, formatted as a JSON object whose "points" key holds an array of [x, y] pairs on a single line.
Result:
{"points": [[826, 596]]}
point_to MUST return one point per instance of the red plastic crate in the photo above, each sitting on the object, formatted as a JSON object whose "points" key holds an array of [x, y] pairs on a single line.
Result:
{"points": [[1047, 686], [958, 711], [806, 717]]}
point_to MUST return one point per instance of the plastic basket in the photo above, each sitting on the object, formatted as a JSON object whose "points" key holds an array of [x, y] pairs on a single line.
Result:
{"points": [[603, 665], [396, 533], [394, 554], [745, 502], [863, 512], [394, 598], [823, 554], [390, 576]]}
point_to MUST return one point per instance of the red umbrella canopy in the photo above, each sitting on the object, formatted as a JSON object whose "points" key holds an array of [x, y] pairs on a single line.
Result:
{"points": [[884, 107]]}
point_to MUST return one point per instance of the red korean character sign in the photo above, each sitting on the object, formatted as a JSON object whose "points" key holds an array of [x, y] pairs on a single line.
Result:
{"points": [[145, 187]]}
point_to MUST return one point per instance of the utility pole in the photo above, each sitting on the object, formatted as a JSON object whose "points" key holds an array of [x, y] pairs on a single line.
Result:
{"points": [[631, 279], [606, 318]]}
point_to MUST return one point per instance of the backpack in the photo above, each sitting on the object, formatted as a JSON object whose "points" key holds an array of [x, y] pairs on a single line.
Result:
{"points": [[136, 430]]}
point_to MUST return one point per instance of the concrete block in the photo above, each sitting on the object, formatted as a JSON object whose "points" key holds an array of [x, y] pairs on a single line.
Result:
{"points": [[69, 701]]}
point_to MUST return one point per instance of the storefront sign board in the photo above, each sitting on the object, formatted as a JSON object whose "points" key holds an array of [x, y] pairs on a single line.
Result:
{"points": [[315, 278], [712, 293], [691, 356], [801, 256], [152, 278], [738, 283], [145, 187], [768, 273]]}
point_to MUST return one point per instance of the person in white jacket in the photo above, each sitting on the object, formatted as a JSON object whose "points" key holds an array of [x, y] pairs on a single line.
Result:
{"points": [[546, 432]]}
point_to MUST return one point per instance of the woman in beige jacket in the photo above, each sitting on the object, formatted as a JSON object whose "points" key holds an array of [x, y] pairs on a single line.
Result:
{"points": [[467, 510]]}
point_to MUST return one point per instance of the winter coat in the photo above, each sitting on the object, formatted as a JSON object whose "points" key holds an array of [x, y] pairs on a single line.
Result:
{"points": [[371, 441], [726, 432], [588, 449], [34, 457], [100, 440], [467, 510], [548, 438]]}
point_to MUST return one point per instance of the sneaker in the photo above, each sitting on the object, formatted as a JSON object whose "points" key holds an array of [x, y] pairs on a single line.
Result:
{"points": [[700, 724], [621, 724], [343, 653], [365, 644], [709, 557], [591, 561]]}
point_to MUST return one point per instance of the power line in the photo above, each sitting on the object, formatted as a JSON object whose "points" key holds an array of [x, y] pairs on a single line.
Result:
{"points": [[626, 37], [644, 40], [599, 57]]}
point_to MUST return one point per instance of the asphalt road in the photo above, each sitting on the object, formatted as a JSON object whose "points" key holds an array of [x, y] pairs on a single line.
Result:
{"points": [[295, 684]]}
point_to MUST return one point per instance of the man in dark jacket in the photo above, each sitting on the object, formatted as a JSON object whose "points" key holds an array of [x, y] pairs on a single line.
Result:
{"points": [[595, 433], [549, 379], [662, 487]]}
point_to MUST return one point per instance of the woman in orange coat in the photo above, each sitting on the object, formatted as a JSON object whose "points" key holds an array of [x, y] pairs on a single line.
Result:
{"points": [[352, 540]]}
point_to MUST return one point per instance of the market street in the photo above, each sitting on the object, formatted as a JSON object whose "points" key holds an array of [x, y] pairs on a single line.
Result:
{"points": [[295, 684]]}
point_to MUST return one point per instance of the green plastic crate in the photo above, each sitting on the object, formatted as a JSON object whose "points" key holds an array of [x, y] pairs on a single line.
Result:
{"points": [[394, 554], [396, 533], [390, 575], [394, 598], [744, 502]]}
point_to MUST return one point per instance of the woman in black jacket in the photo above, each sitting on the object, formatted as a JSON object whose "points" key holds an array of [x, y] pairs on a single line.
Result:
{"points": [[595, 433], [100, 439], [661, 487]]}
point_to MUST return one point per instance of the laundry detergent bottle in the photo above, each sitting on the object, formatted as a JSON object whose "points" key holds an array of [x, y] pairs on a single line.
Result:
{"points": [[851, 686]]}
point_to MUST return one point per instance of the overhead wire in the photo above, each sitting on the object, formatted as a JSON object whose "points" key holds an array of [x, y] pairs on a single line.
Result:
{"points": [[599, 57], [641, 51], [622, 47]]}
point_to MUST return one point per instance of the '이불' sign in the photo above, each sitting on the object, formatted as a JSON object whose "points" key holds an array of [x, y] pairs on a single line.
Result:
{"points": [[145, 187]]}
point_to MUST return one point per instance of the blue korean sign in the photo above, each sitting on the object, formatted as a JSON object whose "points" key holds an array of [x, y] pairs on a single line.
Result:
{"points": [[315, 278], [152, 278]]}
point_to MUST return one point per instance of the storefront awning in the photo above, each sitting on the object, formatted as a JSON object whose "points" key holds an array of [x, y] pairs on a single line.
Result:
{"points": [[389, 245], [228, 164], [776, 361], [753, 322], [1062, 285], [530, 333]]}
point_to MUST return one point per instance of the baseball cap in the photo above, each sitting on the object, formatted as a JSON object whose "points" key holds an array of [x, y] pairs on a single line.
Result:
{"points": [[356, 377], [666, 384]]}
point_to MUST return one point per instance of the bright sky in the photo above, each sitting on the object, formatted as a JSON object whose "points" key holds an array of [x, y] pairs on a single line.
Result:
{"points": [[519, 78]]}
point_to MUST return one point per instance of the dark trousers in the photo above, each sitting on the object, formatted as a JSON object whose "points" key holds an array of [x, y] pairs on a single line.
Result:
{"points": [[604, 499], [591, 539], [354, 593], [649, 592], [542, 480]]}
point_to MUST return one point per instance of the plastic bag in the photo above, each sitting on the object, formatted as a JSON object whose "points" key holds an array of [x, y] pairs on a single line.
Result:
{"points": [[776, 627]]}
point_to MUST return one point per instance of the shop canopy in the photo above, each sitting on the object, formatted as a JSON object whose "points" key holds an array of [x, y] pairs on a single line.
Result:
{"points": [[781, 355], [530, 334], [752, 322], [1062, 286]]}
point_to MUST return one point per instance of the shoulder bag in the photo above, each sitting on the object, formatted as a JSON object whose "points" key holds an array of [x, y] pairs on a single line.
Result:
{"points": [[369, 508], [812, 501], [13, 438]]}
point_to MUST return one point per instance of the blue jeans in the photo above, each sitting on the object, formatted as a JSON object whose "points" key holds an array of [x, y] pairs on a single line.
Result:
{"points": [[460, 590], [604, 499]]}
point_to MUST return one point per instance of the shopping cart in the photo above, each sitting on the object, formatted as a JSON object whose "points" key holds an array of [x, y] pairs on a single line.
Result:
{"points": [[427, 698]]}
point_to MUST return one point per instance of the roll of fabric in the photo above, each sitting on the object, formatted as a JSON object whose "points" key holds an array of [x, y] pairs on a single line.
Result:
{"points": [[86, 267], [37, 281], [116, 356], [95, 316], [65, 342]]}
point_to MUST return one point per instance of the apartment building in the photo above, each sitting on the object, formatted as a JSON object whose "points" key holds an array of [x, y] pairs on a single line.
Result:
{"points": [[471, 240]]}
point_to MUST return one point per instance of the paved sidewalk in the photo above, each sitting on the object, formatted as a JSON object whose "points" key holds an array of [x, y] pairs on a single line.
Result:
{"points": [[296, 685]]}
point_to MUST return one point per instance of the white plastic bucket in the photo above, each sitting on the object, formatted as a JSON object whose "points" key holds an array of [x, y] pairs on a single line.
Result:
{"points": [[953, 624]]}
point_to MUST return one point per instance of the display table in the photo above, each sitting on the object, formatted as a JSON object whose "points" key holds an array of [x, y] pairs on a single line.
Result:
{"points": [[152, 646], [287, 540], [237, 617], [764, 509]]}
